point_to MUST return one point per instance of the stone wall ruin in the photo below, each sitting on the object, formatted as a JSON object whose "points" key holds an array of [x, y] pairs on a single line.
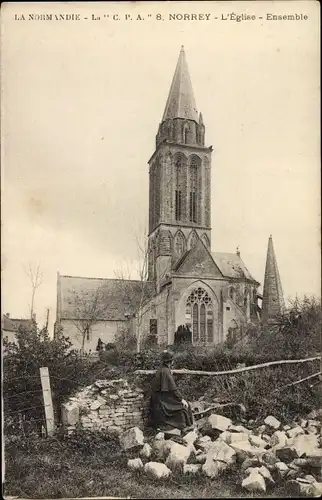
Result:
{"points": [[112, 405]]}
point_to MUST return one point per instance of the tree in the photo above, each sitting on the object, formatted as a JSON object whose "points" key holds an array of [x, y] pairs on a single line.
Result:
{"points": [[35, 276], [88, 309], [136, 292]]}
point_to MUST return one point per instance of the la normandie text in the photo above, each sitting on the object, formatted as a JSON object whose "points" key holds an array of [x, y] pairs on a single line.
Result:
{"points": [[231, 16]]}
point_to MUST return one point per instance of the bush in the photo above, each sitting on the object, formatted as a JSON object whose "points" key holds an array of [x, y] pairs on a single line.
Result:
{"points": [[295, 334], [22, 392]]}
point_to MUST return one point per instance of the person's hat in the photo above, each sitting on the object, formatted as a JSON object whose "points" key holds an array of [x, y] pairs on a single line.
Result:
{"points": [[167, 356]]}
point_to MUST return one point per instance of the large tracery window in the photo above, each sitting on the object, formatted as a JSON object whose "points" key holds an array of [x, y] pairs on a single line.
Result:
{"points": [[199, 315]]}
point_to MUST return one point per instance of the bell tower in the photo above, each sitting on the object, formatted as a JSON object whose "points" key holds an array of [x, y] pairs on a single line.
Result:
{"points": [[180, 179]]}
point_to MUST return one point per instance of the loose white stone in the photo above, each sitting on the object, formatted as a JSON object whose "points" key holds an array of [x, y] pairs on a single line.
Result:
{"points": [[157, 470], [266, 475], [272, 422], [204, 443], [225, 436], [219, 450], [236, 437], [296, 431], [261, 429], [279, 438], [178, 456], [281, 468], [70, 413], [306, 444], [131, 438], [191, 437], [257, 441], [244, 449], [135, 464], [213, 468], [254, 482], [146, 451], [218, 422]]}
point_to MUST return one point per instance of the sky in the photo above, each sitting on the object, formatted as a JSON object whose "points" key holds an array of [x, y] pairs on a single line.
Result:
{"points": [[81, 105]]}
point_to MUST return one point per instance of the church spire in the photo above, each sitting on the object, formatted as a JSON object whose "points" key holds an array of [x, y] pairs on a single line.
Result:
{"points": [[181, 102], [273, 300]]}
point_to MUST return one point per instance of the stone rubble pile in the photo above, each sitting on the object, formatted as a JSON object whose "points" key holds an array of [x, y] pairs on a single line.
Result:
{"points": [[267, 455], [112, 405]]}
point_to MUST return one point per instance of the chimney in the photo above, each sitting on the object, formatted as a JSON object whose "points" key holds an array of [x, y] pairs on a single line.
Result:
{"points": [[237, 252]]}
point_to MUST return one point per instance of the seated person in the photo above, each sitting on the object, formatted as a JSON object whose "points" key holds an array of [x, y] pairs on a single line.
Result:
{"points": [[169, 411]]}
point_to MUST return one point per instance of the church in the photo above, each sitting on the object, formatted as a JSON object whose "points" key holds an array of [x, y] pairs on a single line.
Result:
{"points": [[188, 284]]}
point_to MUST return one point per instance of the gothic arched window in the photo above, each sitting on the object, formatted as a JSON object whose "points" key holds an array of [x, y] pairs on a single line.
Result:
{"points": [[193, 239], [179, 245], [232, 293], [246, 296], [185, 134], [206, 241], [194, 169], [180, 186], [199, 314], [167, 242]]}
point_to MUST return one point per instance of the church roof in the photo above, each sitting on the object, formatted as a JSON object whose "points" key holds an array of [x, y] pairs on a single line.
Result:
{"points": [[181, 102], [114, 299], [231, 265], [12, 324], [273, 299]]}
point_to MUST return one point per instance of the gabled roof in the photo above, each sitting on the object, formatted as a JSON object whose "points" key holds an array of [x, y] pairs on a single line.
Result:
{"points": [[115, 298], [232, 266], [181, 102], [198, 261], [12, 324]]}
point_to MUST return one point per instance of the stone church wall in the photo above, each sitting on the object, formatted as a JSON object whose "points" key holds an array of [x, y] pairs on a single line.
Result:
{"points": [[232, 313], [107, 331], [159, 308], [112, 405]]}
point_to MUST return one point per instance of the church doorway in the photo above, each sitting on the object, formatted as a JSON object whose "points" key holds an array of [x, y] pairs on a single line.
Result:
{"points": [[199, 316]]}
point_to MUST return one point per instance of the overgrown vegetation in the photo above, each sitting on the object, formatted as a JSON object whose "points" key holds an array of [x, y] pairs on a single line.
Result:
{"points": [[91, 465], [23, 400], [294, 335]]}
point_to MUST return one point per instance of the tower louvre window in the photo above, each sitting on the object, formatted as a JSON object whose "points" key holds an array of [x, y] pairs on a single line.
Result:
{"points": [[178, 205], [180, 186], [193, 189], [193, 208], [185, 134]]}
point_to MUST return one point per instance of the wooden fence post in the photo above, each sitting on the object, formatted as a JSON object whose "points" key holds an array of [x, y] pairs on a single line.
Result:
{"points": [[48, 402]]}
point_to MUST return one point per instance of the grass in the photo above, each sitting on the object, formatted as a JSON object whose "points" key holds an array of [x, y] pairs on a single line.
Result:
{"points": [[56, 469]]}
